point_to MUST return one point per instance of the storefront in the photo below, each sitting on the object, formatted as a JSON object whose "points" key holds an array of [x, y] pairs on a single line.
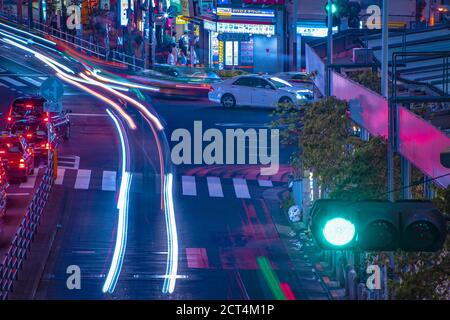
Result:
{"points": [[244, 39]]}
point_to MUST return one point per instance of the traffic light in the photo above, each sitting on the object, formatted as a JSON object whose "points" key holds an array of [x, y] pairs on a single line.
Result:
{"points": [[378, 225], [334, 12], [423, 227]]}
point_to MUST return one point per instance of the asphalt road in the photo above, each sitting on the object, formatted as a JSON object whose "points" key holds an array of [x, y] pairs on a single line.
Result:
{"points": [[231, 235]]}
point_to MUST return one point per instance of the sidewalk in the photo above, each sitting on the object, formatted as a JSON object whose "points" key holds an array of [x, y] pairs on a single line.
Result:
{"points": [[314, 278]]}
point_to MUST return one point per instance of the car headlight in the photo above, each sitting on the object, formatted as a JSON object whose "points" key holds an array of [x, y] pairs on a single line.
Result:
{"points": [[300, 96]]}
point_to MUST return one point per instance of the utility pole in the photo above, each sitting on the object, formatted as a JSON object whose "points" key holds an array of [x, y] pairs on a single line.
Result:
{"points": [[328, 71], [30, 13], [385, 93]]}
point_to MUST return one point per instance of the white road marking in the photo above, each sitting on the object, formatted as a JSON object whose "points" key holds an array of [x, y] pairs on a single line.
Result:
{"points": [[32, 81], [59, 179], [31, 181], [265, 183], [109, 181], [241, 188], [83, 179], [214, 187], [189, 187], [19, 194], [13, 82]]}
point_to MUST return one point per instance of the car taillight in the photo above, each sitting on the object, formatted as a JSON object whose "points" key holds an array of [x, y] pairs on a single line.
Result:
{"points": [[2, 152], [29, 106], [9, 119], [45, 145], [22, 164], [29, 135], [211, 89]]}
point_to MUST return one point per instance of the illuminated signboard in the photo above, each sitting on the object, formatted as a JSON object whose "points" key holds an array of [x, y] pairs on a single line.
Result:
{"points": [[209, 25], [264, 1], [266, 29], [123, 11], [312, 31], [245, 12]]}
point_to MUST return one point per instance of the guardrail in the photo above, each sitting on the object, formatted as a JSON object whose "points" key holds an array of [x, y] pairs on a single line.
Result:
{"points": [[21, 244]]}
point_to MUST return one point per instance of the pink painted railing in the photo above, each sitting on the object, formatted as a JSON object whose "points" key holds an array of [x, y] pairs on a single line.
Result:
{"points": [[419, 141]]}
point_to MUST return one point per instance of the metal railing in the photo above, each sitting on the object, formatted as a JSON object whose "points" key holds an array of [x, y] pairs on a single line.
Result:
{"points": [[21, 244]]}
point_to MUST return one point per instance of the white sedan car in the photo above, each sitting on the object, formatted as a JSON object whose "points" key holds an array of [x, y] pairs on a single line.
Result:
{"points": [[257, 90]]}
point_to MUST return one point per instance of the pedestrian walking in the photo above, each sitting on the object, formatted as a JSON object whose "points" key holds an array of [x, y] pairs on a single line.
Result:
{"points": [[182, 60], [183, 43]]}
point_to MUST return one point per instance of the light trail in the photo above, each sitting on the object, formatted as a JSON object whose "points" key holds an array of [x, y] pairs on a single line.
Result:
{"points": [[122, 206], [172, 237], [127, 84], [28, 34], [116, 107], [140, 106]]}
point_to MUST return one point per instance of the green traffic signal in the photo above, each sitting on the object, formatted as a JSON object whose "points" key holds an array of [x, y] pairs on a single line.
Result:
{"points": [[333, 8], [339, 231], [409, 225]]}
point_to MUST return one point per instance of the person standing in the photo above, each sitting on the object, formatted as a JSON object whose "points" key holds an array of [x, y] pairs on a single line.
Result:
{"points": [[182, 61], [183, 43]]}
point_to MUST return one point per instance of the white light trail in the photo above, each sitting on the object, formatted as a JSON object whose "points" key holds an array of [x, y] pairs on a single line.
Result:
{"points": [[122, 206], [172, 237]]}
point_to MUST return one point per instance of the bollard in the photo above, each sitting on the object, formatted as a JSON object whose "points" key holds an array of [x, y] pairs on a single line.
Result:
{"points": [[55, 163], [350, 283]]}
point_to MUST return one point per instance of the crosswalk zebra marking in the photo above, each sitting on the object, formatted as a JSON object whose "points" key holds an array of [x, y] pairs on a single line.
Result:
{"points": [[214, 187], [83, 179], [241, 188], [109, 181], [31, 180], [189, 186], [60, 177], [265, 183], [13, 82], [32, 81]]}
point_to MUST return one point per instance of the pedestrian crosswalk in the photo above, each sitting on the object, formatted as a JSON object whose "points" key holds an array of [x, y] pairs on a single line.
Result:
{"points": [[217, 187], [85, 179], [22, 81]]}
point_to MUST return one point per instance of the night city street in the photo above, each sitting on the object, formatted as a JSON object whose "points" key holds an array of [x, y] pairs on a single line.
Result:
{"points": [[217, 150]]}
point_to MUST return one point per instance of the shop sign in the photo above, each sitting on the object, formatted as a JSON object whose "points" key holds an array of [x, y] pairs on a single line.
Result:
{"points": [[123, 11], [181, 20], [73, 17], [185, 8], [265, 29], [313, 31], [264, 2], [233, 37], [209, 25], [245, 12]]}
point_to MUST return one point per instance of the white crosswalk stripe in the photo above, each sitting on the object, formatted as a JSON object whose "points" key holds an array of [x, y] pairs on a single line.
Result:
{"points": [[188, 185], [29, 184], [32, 81], [13, 82], [265, 183], [241, 188], [60, 176], [218, 187], [214, 187], [109, 181], [83, 179]]}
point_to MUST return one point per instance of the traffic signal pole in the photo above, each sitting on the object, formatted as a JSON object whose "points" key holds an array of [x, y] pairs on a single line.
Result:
{"points": [[385, 93], [328, 91]]}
